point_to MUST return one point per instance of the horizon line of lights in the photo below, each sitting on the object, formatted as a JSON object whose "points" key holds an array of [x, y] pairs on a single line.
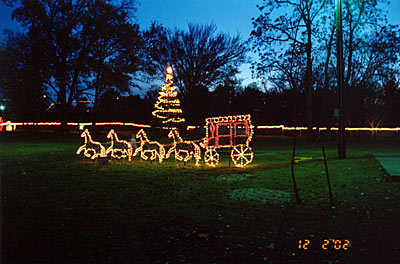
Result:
{"points": [[191, 127], [283, 127]]}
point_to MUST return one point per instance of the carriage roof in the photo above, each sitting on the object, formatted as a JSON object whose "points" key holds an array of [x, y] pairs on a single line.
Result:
{"points": [[228, 119]]}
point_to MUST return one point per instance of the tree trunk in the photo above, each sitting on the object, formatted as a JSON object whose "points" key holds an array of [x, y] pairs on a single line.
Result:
{"points": [[309, 88], [62, 99]]}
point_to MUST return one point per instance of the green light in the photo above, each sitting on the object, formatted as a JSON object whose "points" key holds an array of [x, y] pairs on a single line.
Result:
{"points": [[2, 107]]}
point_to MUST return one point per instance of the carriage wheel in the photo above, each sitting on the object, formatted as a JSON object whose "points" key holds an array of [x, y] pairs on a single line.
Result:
{"points": [[241, 155], [211, 157]]}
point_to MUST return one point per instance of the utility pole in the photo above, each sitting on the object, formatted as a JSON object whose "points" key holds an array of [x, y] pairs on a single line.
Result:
{"points": [[340, 74]]}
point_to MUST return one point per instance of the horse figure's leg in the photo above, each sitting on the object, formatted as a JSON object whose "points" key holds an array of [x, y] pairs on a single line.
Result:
{"points": [[80, 149], [130, 152], [170, 150], [197, 153], [137, 150]]}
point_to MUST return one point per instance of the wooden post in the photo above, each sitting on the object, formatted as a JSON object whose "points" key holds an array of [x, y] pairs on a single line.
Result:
{"points": [[327, 175], [296, 192]]}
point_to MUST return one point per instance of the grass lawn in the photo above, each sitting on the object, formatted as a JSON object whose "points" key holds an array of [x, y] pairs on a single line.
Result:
{"points": [[57, 207]]}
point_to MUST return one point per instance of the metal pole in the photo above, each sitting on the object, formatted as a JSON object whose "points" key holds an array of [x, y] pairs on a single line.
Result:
{"points": [[340, 75]]}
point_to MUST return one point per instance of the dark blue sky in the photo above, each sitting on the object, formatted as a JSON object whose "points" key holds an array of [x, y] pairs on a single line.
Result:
{"points": [[230, 16], [233, 17]]}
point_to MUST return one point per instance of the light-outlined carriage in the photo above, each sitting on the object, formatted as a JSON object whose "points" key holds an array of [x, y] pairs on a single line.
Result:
{"points": [[234, 132]]}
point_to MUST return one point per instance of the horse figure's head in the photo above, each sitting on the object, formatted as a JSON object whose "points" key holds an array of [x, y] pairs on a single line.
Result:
{"points": [[110, 134], [172, 133], [85, 133], [141, 135]]}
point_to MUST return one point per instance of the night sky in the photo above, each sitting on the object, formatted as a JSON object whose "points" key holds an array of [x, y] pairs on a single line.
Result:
{"points": [[230, 16]]}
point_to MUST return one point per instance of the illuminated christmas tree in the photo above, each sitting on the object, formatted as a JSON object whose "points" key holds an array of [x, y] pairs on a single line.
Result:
{"points": [[167, 108]]}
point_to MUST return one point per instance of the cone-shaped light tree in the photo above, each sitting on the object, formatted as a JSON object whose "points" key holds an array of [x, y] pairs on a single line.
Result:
{"points": [[168, 108]]}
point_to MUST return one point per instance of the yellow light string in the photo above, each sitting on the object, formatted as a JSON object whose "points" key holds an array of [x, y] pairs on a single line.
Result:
{"points": [[90, 148], [283, 127], [10, 127], [241, 154], [167, 92], [121, 124], [126, 149], [155, 149], [183, 150], [369, 129]]}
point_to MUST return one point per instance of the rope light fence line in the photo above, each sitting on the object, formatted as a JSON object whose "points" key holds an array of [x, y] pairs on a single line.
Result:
{"points": [[11, 126], [370, 129]]}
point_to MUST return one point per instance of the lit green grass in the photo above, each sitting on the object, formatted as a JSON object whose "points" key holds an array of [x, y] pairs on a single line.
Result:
{"points": [[58, 207]]}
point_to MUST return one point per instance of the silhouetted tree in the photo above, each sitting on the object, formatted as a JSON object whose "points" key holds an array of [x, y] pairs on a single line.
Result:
{"points": [[200, 57], [109, 105], [117, 52], [20, 78], [80, 41], [285, 43], [224, 98], [392, 102]]}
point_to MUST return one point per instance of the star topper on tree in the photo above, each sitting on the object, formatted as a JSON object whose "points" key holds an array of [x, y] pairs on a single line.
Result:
{"points": [[167, 108]]}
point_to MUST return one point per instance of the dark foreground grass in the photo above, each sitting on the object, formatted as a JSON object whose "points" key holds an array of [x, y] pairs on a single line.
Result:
{"points": [[57, 207]]}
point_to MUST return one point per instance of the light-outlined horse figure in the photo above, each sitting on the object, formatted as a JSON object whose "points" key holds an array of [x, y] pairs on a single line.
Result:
{"points": [[120, 149], [183, 150], [91, 149], [149, 149]]}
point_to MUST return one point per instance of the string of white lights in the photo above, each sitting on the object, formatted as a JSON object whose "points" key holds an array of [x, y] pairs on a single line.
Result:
{"points": [[260, 127]]}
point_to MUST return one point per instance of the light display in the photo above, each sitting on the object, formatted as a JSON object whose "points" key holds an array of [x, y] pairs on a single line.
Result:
{"points": [[167, 107], [233, 132], [272, 127], [119, 149], [211, 157], [9, 126], [120, 124], [149, 149], [183, 150], [242, 155], [90, 148]]}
